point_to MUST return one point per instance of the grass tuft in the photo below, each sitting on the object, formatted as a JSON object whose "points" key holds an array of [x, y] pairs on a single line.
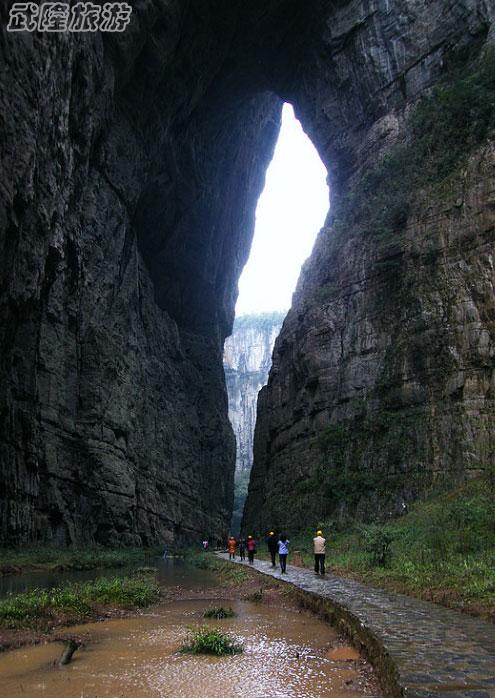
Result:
{"points": [[206, 640], [218, 613], [255, 596]]}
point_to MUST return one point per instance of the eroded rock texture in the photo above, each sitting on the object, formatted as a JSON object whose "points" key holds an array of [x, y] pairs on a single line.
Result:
{"points": [[247, 360], [131, 169], [383, 379], [131, 165]]}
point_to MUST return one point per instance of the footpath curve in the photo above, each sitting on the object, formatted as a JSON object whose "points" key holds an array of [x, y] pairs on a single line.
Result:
{"points": [[418, 649]]}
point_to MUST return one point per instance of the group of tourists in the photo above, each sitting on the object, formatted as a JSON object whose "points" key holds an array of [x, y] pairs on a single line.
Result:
{"points": [[242, 544], [277, 545]]}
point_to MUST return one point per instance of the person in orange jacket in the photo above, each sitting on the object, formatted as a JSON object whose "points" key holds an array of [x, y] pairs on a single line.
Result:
{"points": [[231, 546]]}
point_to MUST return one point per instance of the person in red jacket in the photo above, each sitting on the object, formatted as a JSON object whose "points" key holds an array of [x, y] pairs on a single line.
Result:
{"points": [[251, 548]]}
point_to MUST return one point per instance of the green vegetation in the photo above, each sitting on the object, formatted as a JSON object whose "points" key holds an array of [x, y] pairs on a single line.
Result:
{"points": [[146, 570], [228, 575], [326, 292], [340, 476], [454, 119], [444, 128], [442, 550], [61, 559], [218, 613], [75, 602], [260, 320], [376, 542], [207, 640], [241, 484]]}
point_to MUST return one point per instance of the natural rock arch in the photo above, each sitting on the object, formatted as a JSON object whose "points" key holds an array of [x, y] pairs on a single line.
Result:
{"points": [[126, 217]]}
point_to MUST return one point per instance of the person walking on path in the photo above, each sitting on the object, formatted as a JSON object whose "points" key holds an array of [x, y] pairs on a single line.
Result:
{"points": [[272, 544], [231, 546], [251, 548], [242, 549], [319, 544], [283, 551]]}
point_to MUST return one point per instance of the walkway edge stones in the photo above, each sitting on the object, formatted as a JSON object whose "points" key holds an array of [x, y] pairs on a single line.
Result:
{"points": [[418, 649]]}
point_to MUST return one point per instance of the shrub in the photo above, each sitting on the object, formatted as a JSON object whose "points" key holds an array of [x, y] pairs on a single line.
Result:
{"points": [[377, 541], [455, 118]]}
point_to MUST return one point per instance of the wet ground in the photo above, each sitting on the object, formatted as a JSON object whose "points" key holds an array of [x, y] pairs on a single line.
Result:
{"points": [[286, 653], [436, 652]]}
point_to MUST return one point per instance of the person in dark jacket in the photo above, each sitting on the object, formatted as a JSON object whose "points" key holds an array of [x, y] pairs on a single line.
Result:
{"points": [[272, 544], [242, 548]]}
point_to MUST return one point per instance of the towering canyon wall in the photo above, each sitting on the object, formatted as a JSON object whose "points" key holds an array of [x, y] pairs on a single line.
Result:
{"points": [[131, 166], [383, 377], [118, 270], [246, 361]]}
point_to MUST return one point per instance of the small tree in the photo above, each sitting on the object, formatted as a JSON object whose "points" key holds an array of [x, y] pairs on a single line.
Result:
{"points": [[377, 541]]}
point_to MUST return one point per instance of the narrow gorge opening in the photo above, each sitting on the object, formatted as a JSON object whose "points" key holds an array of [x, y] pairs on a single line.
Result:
{"points": [[289, 214]]}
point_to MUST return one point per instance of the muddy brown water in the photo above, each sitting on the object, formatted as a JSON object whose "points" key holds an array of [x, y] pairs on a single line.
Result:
{"points": [[285, 654]]}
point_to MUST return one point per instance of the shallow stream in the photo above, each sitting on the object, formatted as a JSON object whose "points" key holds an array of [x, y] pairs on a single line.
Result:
{"points": [[286, 652], [171, 572]]}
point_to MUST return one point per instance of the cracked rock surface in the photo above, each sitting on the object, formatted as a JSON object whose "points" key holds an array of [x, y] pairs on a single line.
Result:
{"points": [[131, 166]]}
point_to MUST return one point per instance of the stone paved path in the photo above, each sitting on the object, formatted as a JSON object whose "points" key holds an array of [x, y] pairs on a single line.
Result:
{"points": [[436, 651]]}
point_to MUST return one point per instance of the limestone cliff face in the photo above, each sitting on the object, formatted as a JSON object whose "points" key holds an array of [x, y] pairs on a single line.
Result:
{"points": [[247, 360], [127, 201], [383, 379], [131, 166], [383, 385]]}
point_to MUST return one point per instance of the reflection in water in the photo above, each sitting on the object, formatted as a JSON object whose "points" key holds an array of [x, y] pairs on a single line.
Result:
{"points": [[171, 572], [285, 655]]}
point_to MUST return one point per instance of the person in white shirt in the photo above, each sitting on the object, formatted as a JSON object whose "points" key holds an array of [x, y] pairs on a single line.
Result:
{"points": [[319, 544], [283, 551]]}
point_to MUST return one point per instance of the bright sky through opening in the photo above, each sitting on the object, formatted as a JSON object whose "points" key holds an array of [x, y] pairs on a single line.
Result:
{"points": [[291, 210]]}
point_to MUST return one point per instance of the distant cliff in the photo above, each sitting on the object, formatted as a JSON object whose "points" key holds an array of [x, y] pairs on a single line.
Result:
{"points": [[247, 361]]}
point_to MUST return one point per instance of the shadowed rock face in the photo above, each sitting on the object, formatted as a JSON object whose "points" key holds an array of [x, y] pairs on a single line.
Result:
{"points": [[131, 168], [382, 382]]}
